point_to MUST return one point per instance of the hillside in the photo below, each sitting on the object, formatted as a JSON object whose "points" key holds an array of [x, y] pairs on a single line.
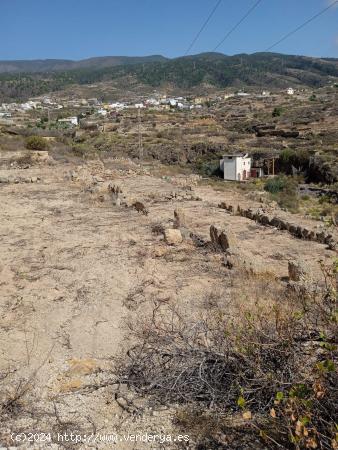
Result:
{"points": [[268, 70], [54, 65]]}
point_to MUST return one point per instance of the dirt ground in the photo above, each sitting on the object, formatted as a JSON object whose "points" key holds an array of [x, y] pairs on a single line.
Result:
{"points": [[74, 265]]}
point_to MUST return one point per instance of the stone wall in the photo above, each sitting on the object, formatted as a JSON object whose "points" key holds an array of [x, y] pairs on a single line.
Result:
{"points": [[295, 230]]}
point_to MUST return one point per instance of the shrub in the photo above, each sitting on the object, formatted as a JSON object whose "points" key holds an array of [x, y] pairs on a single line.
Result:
{"points": [[36, 143], [208, 167], [278, 111], [262, 378], [275, 185], [284, 191], [294, 158], [84, 151]]}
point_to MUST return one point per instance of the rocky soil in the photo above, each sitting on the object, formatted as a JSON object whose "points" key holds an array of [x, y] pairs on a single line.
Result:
{"points": [[78, 259]]}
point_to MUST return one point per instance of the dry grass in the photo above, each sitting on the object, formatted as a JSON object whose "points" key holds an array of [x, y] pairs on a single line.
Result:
{"points": [[258, 371]]}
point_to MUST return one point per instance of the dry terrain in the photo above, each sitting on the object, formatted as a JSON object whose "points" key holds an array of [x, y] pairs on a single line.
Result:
{"points": [[75, 265]]}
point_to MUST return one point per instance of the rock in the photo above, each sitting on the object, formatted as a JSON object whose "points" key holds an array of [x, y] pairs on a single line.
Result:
{"points": [[4, 180], [223, 241], [320, 237], [34, 179], [98, 179], [297, 271], [292, 229], [219, 239], [159, 251], [74, 176], [198, 240], [275, 222], [264, 220], [172, 236], [180, 219]]}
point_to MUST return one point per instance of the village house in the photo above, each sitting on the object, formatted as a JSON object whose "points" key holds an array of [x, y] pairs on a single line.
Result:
{"points": [[236, 167], [290, 91], [71, 121]]}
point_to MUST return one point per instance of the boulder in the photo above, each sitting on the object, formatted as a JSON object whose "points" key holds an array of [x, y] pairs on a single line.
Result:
{"points": [[219, 239], [264, 220], [223, 241], [172, 236], [179, 218]]}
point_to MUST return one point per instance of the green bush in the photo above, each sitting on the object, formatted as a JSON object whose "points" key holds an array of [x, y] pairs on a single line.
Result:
{"points": [[275, 185], [289, 158], [36, 143], [277, 111], [208, 168], [284, 191]]}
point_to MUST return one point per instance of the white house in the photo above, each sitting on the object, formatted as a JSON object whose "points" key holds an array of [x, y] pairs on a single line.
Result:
{"points": [[72, 121], [242, 94], [236, 167], [290, 91], [172, 102]]}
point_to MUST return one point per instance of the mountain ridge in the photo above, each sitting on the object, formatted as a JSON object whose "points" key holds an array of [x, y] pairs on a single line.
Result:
{"points": [[263, 70], [51, 64], [98, 62]]}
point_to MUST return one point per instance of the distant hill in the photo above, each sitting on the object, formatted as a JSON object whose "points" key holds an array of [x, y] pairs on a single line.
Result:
{"points": [[56, 65], [267, 70]]}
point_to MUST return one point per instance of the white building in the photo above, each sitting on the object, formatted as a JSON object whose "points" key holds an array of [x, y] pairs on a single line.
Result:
{"points": [[152, 102], [117, 105], [290, 91], [73, 121], [173, 102], [102, 112], [242, 94], [236, 167]]}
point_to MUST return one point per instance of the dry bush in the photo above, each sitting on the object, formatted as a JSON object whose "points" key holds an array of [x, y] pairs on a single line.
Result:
{"points": [[36, 143], [157, 228], [263, 375], [24, 160]]}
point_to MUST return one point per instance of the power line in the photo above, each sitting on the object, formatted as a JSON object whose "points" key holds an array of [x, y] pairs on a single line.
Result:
{"points": [[301, 26], [238, 24], [203, 26]]}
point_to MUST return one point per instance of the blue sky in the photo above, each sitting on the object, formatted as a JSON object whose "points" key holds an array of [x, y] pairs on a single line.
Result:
{"points": [[76, 29]]}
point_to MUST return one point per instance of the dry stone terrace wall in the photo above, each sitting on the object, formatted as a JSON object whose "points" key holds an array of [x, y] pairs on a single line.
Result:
{"points": [[295, 230]]}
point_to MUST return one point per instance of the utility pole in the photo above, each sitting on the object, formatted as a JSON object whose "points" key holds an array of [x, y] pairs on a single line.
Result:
{"points": [[140, 141]]}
